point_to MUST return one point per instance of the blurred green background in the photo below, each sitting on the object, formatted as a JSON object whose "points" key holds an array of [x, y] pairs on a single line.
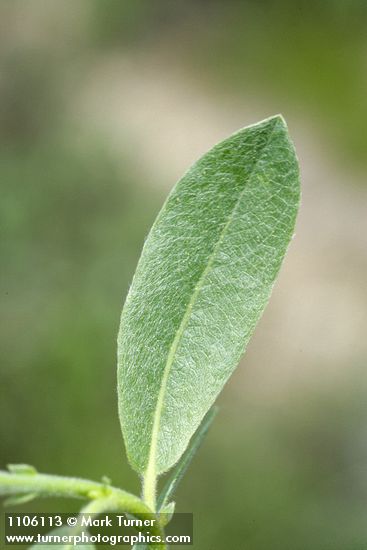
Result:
{"points": [[103, 105]]}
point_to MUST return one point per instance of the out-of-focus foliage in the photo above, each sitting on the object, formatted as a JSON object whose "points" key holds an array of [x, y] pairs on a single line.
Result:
{"points": [[305, 54], [72, 227], [75, 207]]}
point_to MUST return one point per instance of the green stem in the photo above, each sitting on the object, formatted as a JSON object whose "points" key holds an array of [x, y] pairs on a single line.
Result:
{"points": [[105, 498], [150, 488], [51, 485]]}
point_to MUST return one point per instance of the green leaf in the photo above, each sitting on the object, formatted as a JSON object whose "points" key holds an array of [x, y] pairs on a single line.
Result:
{"points": [[185, 461], [203, 280]]}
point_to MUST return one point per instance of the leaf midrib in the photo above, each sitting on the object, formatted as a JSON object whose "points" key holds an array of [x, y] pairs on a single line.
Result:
{"points": [[151, 466]]}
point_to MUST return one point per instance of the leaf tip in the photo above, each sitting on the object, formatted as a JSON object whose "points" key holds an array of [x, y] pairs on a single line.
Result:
{"points": [[279, 118], [270, 123]]}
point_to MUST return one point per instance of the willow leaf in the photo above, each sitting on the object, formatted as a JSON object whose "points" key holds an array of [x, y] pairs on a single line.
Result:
{"points": [[203, 280]]}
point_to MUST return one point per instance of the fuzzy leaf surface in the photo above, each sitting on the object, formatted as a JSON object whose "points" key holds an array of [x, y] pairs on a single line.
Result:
{"points": [[203, 280]]}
